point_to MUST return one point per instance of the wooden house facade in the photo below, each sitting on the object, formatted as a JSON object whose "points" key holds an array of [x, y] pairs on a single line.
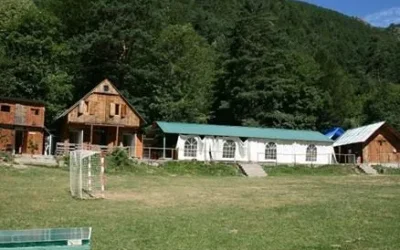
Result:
{"points": [[377, 143], [21, 126], [103, 119]]}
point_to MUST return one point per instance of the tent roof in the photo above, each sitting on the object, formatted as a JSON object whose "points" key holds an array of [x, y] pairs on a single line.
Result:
{"points": [[358, 135], [237, 131]]}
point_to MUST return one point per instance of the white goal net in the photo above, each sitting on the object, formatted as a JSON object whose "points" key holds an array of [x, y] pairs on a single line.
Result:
{"points": [[86, 174]]}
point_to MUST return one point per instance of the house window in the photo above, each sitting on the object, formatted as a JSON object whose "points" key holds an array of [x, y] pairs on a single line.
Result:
{"points": [[106, 88], [190, 147], [229, 149], [35, 111], [116, 109], [5, 108], [270, 151], [86, 107], [311, 154]]}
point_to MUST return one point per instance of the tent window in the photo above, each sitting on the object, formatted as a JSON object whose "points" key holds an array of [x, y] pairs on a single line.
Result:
{"points": [[311, 154], [229, 149], [270, 151], [190, 149]]}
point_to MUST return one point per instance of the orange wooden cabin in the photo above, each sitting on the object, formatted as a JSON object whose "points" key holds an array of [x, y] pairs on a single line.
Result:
{"points": [[377, 143], [21, 125], [103, 119]]}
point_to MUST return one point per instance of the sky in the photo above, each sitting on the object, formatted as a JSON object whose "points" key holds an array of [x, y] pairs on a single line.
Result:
{"points": [[377, 12]]}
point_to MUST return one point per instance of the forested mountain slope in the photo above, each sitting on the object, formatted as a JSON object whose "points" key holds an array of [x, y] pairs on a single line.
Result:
{"points": [[250, 62]]}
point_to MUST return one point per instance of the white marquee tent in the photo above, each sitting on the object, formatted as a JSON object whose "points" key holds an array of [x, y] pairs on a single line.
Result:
{"points": [[247, 144]]}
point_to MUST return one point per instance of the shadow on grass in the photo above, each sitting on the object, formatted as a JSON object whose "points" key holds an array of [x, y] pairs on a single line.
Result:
{"points": [[181, 168], [326, 170]]}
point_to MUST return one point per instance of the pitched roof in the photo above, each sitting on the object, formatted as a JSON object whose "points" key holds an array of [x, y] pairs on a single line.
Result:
{"points": [[237, 131], [22, 101], [358, 135], [91, 92]]}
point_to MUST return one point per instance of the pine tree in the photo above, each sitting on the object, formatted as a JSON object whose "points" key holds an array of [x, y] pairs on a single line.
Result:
{"points": [[259, 85]]}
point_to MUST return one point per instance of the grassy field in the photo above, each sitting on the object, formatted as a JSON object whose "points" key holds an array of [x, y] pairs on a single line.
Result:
{"points": [[166, 212], [327, 170]]}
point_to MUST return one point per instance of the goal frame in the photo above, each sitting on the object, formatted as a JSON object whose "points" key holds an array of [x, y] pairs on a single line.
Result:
{"points": [[87, 174]]}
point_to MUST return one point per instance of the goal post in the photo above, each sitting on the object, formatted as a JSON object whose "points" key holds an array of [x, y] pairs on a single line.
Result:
{"points": [[86, 174]]}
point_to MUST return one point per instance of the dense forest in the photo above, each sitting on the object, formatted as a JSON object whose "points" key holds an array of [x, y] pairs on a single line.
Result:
{"points": [[272, 63]]}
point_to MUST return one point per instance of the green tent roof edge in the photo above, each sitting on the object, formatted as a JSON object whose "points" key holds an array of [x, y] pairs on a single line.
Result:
{"points": [[279, 134]]}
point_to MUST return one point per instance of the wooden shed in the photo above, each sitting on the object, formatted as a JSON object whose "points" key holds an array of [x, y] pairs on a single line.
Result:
{"points": [[102, 119], [377, 143], [21, 125]]}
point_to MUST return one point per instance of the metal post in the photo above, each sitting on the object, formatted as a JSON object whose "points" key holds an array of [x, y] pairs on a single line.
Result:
{"points": [[102, 177], [91, 134], [90, 174], [80, 175], [164, 144], [116, 136], [134, 145]]}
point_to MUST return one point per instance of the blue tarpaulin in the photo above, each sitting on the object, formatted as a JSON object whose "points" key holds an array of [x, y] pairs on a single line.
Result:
{"points": [[334, 133]]}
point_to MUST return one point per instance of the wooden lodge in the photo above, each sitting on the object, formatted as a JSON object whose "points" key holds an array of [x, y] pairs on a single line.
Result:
{"points": [[102, 120], [21, 126], [377, 143]]}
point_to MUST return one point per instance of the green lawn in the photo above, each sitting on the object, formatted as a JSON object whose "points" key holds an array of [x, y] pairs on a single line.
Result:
{"points": [[327, 170], [166, 212]]}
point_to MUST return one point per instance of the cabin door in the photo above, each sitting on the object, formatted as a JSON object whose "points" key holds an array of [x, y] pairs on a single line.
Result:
{"points": [[19, 141], [128, 140], [103, 137], [76, 137]]}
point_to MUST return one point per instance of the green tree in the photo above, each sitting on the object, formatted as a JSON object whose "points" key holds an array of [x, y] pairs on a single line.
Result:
{"points": [[340, 99], [33, 61], [113, 39], [261, 84], [187, 65], [384, 105], [12, 11]]}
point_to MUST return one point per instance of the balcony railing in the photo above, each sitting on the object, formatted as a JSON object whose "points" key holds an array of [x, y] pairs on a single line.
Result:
{"points": [[65, 148], [149, 153]]}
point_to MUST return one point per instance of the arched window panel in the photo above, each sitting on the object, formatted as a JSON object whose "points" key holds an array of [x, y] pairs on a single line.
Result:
{"points": [[270, 151], [311, 154], [190, 149], [229, 149]]}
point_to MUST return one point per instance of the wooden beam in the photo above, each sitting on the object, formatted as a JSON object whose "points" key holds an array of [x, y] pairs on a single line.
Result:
{"points": [[164, 144], [134, 144], [91, 134], [105, 125], [116, 136]]}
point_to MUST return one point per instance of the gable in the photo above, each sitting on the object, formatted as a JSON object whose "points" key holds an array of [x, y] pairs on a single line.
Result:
{"points": [[104, 93], [104, 109], [105, 87], [386, 134]]}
